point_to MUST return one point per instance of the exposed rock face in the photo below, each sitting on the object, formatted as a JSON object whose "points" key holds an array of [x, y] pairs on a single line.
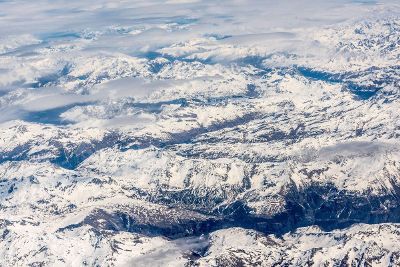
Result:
{"points": [[258, 148]]}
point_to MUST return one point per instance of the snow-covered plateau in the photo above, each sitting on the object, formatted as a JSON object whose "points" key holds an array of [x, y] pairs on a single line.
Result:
{"points": [[199, 133]]}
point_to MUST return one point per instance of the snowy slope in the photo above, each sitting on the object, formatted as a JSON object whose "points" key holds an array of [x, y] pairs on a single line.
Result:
{"points": [[194, 133]]}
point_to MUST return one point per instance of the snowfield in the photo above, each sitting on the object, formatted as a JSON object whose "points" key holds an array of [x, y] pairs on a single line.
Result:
{"points": [[199, 133]]}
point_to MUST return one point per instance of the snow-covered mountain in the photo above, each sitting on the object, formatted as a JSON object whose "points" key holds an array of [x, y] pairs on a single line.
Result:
{"points": [[195, 133]]}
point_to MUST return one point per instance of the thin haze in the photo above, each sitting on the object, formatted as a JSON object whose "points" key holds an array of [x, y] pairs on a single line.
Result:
{"points": [[84, 29]]}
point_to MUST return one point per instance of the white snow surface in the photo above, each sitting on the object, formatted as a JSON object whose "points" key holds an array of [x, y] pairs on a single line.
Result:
{"points": [[128, 130]]}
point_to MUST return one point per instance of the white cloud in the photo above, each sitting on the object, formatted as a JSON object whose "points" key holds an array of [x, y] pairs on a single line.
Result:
{"points": [[60, 31], [182, 1]]}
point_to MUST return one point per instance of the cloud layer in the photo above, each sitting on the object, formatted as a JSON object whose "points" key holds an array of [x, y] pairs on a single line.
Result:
{"points": [[39, 55]]}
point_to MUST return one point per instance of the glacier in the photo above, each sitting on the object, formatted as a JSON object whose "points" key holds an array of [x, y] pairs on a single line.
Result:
{"points": [[199, 133]]}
